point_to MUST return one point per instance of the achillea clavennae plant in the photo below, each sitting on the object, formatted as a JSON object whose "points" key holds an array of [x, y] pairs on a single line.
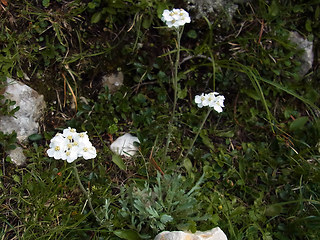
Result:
{"points": [[212, 100], [70, 146], [175, 19]]}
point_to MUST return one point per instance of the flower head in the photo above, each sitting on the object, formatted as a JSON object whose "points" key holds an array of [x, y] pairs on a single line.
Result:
{"points": [[71, 145], [212, 100], [175, 18]]}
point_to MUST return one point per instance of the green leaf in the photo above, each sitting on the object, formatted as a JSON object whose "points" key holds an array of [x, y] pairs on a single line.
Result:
{"points": [[119, 162], [188, 165], [273, 210], [206, 140], [276, 72], [298, 123], [252, 93], [160, 8], [297, 9], [274, 8], [228, 134], [12, 147], [166, 218], [317, 13], [16, 178], [45, 3], [57, 29], [35, 137], [182, 93], [127, 234], [19, 73], [91, 5], [96, 17], [192, 34], [215, 219], [112, 129], [146, 22], [308, 25]]}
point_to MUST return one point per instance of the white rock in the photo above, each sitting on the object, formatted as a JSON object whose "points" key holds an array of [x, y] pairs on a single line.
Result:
{"points": [[307, 57], [175, 235], [213, 234], [124, 145], [114, 81], [31, 106], [211, 8], [17, 156]]}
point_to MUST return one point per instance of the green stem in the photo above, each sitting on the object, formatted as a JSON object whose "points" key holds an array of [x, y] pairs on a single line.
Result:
{"points": [[175, 88], [76, 173], [199, 130]]}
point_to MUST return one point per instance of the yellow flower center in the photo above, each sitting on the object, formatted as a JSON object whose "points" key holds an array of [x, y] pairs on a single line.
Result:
{"points": [[57, 148], [85, 149], [69, 137]]}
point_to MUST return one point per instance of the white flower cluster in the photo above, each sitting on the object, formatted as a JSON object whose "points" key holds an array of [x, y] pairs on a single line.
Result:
{"points": [[70, 145], [175, 17], [213, 100]]}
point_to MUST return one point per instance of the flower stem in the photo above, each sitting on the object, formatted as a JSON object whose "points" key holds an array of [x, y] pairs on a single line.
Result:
{"points": [[175, 88], [76, 173], [199, 130]]}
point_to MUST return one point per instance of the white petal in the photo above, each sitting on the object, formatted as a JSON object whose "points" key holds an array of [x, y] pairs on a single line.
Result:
{"points": [[50, 152], [217, 108], [197, 99]]}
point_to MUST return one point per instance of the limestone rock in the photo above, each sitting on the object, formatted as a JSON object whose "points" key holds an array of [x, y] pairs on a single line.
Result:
{"points": [[114, 81], [307, 57], [125, 145], [211, 8], [213, 234], [25, 121], [17, 156]]}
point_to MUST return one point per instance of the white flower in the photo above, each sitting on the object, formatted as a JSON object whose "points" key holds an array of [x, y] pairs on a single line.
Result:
{"points": [[81, 138], [166, 16], [69, 133], [87, 152], [58, 146], [212, 100], [124, 145], [218, 103], [199, 100], [175, 18], [71, 155], [71, 145]]}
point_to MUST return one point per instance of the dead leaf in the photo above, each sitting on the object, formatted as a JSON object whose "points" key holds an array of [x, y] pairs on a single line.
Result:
{"points": [[4, 2]]}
